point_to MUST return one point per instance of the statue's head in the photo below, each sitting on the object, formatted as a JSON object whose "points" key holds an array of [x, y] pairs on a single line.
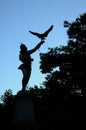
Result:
{"points": [[23, 48]]}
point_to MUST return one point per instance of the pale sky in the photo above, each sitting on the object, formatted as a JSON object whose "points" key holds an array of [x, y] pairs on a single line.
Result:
{"points": [[17, 17]]}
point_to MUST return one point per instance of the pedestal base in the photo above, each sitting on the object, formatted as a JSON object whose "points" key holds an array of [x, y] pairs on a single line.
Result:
{"points": [[24, 114]]}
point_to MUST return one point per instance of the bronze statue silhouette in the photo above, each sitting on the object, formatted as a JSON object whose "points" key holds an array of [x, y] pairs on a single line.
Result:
{"points": [[25, 58], [42, 36]]}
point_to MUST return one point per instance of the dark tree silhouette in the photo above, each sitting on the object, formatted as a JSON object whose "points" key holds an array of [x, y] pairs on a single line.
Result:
{"points": [[77, 42], [7, 109], [70, 61]]}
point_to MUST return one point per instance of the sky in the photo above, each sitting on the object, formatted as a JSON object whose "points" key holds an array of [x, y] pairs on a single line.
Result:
{"points": [[17, 17]]}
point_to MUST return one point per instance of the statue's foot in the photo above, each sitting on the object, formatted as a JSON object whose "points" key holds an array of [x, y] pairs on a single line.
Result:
{"points": [[23, 89]]}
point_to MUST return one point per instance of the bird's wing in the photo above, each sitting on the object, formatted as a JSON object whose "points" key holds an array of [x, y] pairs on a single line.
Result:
{"points": [[45, 34], [36, 34]]}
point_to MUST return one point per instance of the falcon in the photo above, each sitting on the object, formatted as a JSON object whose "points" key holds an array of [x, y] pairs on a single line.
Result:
{"points": [[42, 36]]}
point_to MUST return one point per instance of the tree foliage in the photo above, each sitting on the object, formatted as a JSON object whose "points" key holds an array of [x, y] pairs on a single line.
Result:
{"points": [[7, 97], [69, 60]]}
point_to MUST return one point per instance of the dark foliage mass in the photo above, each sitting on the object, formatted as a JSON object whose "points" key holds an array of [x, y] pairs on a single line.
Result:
{"points": [[61, 101], [69, 60]]}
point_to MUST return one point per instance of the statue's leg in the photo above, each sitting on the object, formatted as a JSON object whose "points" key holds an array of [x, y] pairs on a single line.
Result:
{"points": [[26, 77]]}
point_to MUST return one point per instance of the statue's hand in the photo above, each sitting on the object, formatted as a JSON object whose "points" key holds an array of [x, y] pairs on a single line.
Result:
{"points": [[39, 45], [42, 41]]}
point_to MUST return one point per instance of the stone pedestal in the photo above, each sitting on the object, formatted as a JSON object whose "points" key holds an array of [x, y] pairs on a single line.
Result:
{"points": [[24, 113]]}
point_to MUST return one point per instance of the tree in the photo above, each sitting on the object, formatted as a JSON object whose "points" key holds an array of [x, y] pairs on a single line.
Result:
{"points": [[7, 97], [7, 108], [77, 41], [70, 61]]}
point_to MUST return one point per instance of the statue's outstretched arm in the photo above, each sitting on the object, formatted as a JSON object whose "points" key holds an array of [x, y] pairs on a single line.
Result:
{"points": [[36, 48]]}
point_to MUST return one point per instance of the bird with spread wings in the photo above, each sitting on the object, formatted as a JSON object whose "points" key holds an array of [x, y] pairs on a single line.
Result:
{"points": [[42, 36]]}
